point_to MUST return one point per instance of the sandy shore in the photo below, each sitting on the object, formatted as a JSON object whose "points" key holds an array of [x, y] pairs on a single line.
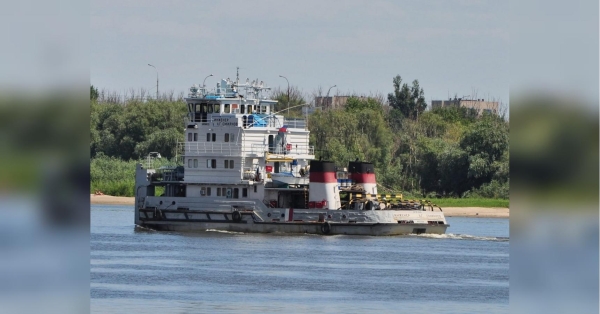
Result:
{"points": [[111, 200], [483, 212]]}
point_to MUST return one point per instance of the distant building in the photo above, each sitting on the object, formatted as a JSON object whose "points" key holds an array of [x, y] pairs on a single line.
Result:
{"points": [[478, 104], [331, 102]]}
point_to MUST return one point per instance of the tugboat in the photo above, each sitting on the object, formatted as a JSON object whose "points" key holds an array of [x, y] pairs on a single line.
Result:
{"points": [[247, 168]]}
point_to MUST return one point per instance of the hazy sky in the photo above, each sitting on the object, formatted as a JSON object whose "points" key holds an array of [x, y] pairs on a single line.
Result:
{"points": [[451, 47]]}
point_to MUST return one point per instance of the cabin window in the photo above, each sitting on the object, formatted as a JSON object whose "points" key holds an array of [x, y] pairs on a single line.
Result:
{"points": [[214, 137], [244, 192], [208, 137], [218, 191], [195, 137], [211, 163], [227, 108], [226, 164], [210, 108], [208, 191], [229, 137], [217, 109], [231, 164], [190, 163], [236, 193], [242, 109], [195, 163], [249, 109], [189, 137], [255, 189], [202, 191]]}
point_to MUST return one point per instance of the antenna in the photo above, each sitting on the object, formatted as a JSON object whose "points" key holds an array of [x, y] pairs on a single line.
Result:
{"points": [[237, 75]]}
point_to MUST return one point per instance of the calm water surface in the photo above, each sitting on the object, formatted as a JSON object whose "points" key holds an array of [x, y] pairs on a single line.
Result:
{"points": [[135, 270]]}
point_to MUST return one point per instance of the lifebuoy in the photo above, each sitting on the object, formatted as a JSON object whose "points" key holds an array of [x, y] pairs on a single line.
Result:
{"points": [[369, 205], [236, 216], [325, 228]]}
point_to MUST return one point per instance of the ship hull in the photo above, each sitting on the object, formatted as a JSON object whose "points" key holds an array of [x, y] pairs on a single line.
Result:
{"points": [[372, 229]]}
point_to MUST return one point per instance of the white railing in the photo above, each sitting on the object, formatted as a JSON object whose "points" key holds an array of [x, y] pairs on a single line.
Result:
{"points": [[226, 149], [294, 149], [295, 123]]}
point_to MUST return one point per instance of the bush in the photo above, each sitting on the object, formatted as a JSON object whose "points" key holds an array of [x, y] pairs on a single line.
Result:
{"points": [[493, 189]]}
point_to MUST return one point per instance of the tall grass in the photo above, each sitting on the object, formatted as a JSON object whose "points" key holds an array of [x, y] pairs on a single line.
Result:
{"points": [[116, 177], [471, 202]]}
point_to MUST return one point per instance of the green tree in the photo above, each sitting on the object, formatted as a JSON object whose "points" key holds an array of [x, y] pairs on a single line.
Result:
{"points": [[93, 93], [295, 101], [486, 144], [410, 101]]}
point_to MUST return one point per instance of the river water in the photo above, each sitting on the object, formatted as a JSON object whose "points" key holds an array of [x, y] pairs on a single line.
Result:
{"points": [[135, 270]]}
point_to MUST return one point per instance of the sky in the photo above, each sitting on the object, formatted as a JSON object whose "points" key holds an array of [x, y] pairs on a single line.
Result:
{"points": [[457, 47]]}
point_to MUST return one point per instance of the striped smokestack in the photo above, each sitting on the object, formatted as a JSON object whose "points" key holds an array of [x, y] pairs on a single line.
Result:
{"points": [[363, 175], [323, 187]]}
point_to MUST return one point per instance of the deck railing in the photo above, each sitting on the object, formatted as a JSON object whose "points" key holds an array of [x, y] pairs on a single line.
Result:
{"points": [[226, 149]]}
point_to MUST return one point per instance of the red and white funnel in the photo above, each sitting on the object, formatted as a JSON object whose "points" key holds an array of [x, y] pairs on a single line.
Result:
{"points": [[323, 186], [363, 175]]}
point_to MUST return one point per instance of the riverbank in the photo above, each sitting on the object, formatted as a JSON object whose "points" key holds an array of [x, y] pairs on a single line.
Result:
{"points": [[483, 212]]}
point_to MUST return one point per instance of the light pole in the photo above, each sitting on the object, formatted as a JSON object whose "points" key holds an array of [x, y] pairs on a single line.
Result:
{"points": [[156, 79], [327, 97], [204, 85], [288, 94]]}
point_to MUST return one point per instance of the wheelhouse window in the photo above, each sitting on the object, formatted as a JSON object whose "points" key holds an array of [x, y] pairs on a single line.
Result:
{"points": [[227, 108], [226, 137], [236, 193], [217, 108], [244, 192]]}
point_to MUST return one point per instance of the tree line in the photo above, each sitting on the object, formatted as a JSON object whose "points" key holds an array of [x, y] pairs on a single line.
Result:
{"points": [[453, 152]]}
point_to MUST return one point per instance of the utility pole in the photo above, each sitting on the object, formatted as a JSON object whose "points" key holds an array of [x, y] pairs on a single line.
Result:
{"points": [[156, 79], [327, 97], [288, 94]]}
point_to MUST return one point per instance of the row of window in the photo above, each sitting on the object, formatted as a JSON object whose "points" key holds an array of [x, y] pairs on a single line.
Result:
{"points": [[228, 108], [225, 192], [211, 137], [211, 163]]}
